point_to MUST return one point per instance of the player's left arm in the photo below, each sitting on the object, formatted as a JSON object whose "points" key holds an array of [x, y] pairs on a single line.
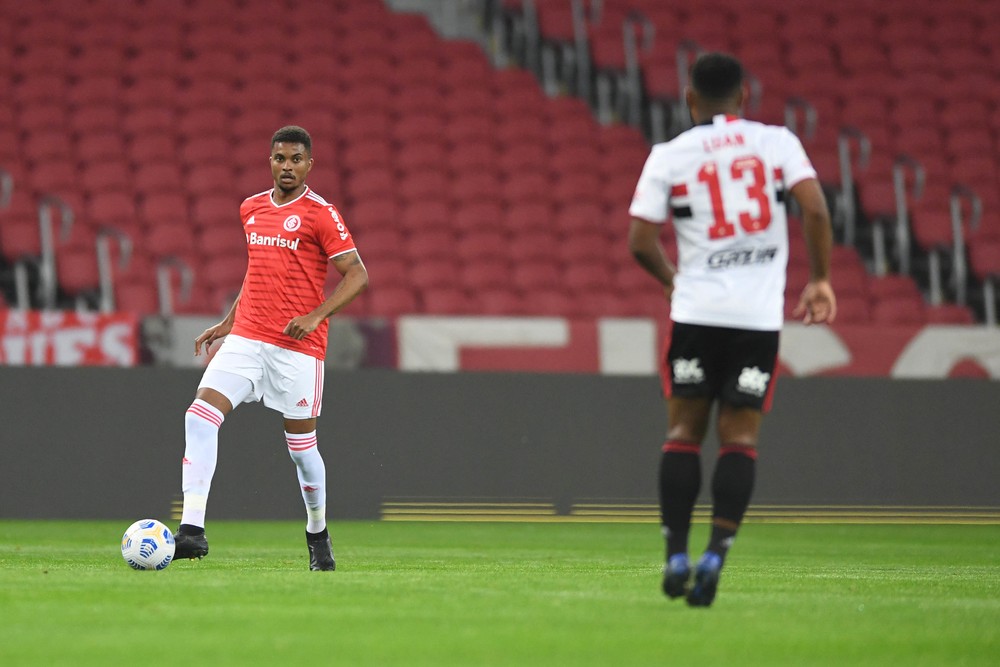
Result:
{"points": [[353, 281], [818, 302]]}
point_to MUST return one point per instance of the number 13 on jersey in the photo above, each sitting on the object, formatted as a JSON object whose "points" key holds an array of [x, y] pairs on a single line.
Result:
{"points": [[753, 213]]}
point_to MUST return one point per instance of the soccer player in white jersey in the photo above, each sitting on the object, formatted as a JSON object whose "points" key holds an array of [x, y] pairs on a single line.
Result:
{"points": [[275, 339], [723, 183]]}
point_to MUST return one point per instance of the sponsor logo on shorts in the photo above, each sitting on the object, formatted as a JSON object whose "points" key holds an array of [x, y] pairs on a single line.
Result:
{"points": [[688, 371], [724, 259], [753, 381]]}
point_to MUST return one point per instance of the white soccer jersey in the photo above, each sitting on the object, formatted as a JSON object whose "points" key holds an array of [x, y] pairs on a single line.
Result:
{"points": [[724, 186]]}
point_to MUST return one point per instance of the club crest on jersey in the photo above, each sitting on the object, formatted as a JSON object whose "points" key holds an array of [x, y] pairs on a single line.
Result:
{"points": [[292, 223]]}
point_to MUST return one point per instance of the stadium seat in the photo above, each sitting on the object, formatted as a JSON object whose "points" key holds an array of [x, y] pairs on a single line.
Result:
{"points": [[169, 240], [420, 154], [540, 244], [984, 259], [482, 244], [536, 274], [219, 237], [392, 301], [434, 274], [850, 309], [430, 245], [448, 300], [895, 310], [19, 238], [472, 216], [423, 216], [484, 273], [163, 209], [140, 298], [949, 313], [476, 187], [893, 286], [524, 186], [584, 278], [499, 301], [424, 185], [109, 208], [76, 270]]}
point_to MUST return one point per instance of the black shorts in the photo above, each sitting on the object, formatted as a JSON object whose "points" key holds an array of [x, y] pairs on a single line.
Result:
{"points": [[733, 366]]}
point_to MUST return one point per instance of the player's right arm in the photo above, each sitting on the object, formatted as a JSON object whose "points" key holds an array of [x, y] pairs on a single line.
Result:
{"points": [[220, 330], [644, 244], [649, 212]]}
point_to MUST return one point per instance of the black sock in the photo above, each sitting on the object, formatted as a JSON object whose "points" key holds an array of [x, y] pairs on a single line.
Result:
{"points": [[732, 486], [188, 529], [680, 482]]}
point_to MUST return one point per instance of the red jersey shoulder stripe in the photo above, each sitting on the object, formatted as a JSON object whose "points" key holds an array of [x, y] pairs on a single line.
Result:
{"points": [[258, 195]]}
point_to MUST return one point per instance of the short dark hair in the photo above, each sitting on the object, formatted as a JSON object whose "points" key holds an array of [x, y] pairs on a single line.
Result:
{"points": [[293, 134], [716, 76]]}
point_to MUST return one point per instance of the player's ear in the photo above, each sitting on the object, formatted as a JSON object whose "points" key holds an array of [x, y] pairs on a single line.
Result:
{"points": [[691, 98]]}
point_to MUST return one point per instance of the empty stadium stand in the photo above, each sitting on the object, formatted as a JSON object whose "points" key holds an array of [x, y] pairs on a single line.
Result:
{"points": [[473, 188]]}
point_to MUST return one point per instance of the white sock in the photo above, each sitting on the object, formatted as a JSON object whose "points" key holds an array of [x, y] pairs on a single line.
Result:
{"points": [[311, 472], [201, 452]]}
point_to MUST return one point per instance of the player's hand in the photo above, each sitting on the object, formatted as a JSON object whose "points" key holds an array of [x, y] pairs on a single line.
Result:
{"points": [[817, 303], [301, 326], [210, 335]]}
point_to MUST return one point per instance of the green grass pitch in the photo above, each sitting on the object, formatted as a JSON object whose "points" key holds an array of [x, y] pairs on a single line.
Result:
{"points": [[501, 594]]}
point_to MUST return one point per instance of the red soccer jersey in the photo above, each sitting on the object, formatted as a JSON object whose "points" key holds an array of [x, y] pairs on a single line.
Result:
{"points": [[289, 248]]}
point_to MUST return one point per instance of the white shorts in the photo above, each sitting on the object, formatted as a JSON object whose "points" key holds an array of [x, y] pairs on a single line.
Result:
{"points": [[287, 381]]}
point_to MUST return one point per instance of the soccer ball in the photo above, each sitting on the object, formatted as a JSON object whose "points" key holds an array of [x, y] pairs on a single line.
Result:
{"points": [[148, 545]]}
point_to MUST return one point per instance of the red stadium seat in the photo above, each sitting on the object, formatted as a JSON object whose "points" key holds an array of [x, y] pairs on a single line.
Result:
{"points": [[472, 216], [895, 310], [435, 273], [392, 301], [137, 297], [537, 274], [420, 217], [476, 187], [76, 270], [483, 244], [429, 245], [499, 301], [448, 301], [424, 185], [485, 273], [421, 154], [949, 313], [984, 259], [524, 187]]}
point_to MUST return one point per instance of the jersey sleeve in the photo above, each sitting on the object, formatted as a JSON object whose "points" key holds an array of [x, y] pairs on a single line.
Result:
{"points": [[332, 233], [651, 194], [795, 164]]}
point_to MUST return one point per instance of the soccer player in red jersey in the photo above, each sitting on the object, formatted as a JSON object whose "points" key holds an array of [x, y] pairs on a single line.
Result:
{"points": [[723, 184], [275, 339]]}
